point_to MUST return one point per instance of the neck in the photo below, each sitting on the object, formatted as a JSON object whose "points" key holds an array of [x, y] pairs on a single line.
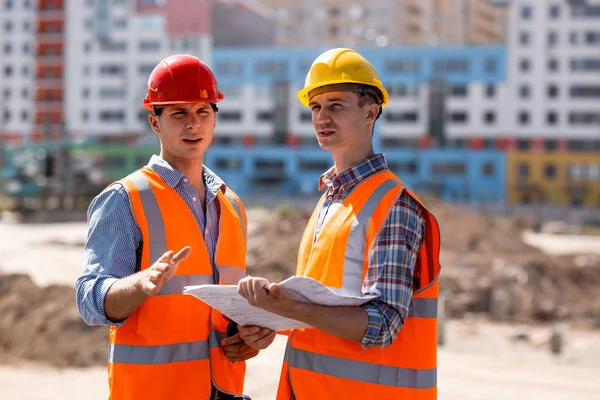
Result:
{"points": [[190, 168], [345, 159]]}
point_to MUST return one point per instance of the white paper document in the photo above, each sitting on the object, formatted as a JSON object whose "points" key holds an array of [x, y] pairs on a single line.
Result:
{"points": [[226, 299]]}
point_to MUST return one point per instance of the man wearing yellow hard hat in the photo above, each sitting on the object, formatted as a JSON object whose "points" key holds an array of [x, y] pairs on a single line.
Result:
{"points": [[369, 235]]}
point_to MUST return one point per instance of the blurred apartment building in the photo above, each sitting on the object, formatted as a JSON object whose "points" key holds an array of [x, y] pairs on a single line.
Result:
{"points": [[462, 122], [387, 22], [82, 66]]}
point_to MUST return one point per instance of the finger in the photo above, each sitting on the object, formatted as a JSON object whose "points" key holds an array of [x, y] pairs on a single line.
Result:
{"points": [[234, 349], [166, 257], [248, 330], [264, 342], [181, 255], [161, 267], [243, 354], [228, 341], [276, 291]]}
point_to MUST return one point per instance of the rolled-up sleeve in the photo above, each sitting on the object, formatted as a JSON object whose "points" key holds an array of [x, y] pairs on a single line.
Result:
{"points": [[390, 273], [110, 252]]}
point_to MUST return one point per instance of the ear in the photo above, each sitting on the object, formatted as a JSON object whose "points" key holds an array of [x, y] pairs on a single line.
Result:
{"points": [[153, 120], [372, 112]]}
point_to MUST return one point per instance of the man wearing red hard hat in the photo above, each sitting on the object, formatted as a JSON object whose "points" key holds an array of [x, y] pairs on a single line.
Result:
{"points": [[163, 344]]}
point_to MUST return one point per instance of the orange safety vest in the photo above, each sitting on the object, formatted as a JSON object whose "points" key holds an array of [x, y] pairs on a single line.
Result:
{"points": [[322, 366], [169, 347]]}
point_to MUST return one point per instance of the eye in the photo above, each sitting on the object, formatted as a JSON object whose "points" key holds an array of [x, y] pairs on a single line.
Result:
{"points": [[178, 113], [315, 108]]}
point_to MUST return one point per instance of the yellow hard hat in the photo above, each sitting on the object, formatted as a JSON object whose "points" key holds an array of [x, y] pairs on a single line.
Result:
{"points": [[341, 66]]}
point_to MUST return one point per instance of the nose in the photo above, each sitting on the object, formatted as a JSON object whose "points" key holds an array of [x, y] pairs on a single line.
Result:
{"points": [[192, 122], [322, 116]]}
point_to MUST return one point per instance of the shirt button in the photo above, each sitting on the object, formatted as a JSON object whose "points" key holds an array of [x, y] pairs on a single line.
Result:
{"points": [[186, 180], [194, 198]]}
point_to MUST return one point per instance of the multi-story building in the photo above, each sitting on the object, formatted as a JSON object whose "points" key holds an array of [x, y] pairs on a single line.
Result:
{"points": [[554, 84], [80, 67], [387, 22]]}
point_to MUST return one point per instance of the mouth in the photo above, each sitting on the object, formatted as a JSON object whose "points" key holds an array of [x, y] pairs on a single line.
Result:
{"points": [[192, 141], [325, 132]]}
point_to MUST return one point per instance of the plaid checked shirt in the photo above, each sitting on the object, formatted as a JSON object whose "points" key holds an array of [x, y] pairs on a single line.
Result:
{"points": [[392, 259]]}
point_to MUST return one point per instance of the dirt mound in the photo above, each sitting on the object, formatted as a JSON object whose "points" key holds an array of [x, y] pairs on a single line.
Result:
{"points": [[42, 324], [487, 266]]}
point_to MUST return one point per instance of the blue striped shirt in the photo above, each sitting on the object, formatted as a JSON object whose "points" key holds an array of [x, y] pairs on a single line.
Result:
{"points": [[393, 256], [114, 236]]}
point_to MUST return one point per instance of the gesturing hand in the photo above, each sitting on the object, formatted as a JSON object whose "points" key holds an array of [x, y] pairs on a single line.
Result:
{"points": [[152, 279]]}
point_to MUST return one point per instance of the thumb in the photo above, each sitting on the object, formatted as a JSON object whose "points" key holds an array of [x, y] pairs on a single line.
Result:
{"points": [[276, 291]]}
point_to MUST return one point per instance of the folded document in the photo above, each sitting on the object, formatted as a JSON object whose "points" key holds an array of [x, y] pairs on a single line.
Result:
{"points": [[226, 299]]}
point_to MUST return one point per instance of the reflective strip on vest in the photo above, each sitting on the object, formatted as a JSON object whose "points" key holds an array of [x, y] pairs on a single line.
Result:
{"points": [[156, 227], [423, 308], [215, 338], [361, 371], [163, 354], [238, 211], [176, 284], [230, 275], [353, 267]]}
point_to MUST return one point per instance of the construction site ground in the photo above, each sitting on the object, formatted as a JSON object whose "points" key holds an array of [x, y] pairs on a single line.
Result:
{"points": [[504, 299]]}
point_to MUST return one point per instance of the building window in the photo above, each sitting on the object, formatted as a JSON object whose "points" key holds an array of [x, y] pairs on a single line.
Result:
{"points": [[397, 117], [524, 65], [8, 4], [592, 37], [116, 47], [264, 116], [489, 117], [7, 48], [24, 93], [490, 91], [459, 91], [526, 12], [6, 116], [112, 93], [402, 66], [552, 39], [230, 116], [585, 64], [270, 67], [553, 64], [24, 116], [26, 48], [403, 91], [449, 168], [8, 26], [85, 116], [110, 116], [25, 70], [491, 65], [553, 91], [451, 65], [85, 93], [229, 68], [584, 118], [149, 45], [8, 70], [524, 91], [554, 12], [488, 169], [524, 38], [459, 117], [574, 37], [305, 116], [552, 118], [112, 69], [6, 94], [522, 170], [550, 171], [584, 92], [523, 118]]}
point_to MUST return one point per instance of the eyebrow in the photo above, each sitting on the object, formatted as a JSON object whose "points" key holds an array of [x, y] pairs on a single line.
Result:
{"points": [[331, 100]]}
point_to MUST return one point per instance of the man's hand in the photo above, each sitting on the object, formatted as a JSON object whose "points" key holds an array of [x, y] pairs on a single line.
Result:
{"points": [[256, 337], [268, 296], [152, 279], [236, 349]]}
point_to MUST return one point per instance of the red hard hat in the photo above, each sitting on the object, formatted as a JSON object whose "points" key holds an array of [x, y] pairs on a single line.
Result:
{"points": [[181, 79]]}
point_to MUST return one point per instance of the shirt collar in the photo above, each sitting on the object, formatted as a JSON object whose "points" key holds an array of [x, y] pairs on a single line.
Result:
{"points": [[355, 174], [173, 177]]}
